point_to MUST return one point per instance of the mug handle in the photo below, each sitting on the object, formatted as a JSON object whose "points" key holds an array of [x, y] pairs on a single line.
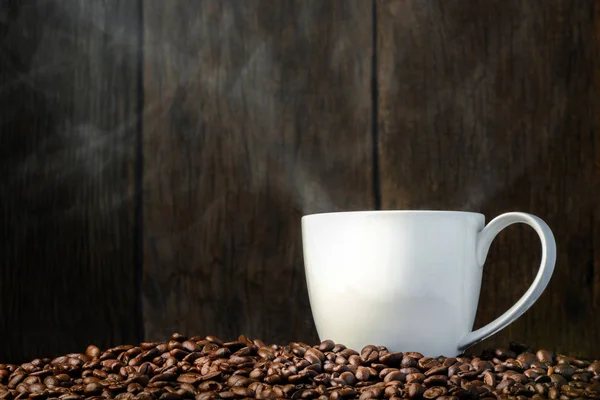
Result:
{"points": [[484, 240]]}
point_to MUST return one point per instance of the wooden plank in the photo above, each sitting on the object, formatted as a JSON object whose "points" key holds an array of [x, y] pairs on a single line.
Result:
{"points": [[256, 112], [490, 106], [68, 95]]}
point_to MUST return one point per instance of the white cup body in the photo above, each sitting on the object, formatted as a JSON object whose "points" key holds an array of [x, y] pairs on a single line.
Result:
{"points": [[407, 280]]}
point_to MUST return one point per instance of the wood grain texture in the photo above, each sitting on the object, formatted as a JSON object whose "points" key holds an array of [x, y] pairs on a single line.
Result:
{"points": [[68, 95], [491, 106], [256, 113]]}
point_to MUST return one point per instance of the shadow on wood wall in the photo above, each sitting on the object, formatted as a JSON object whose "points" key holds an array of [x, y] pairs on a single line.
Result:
{"points": [[156, 157]]}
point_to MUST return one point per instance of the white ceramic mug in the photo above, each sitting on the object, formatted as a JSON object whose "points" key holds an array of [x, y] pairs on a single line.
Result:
{"points": [[408, 280]]}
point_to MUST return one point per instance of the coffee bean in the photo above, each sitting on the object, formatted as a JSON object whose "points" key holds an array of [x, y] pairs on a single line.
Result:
{"points": [[326, 345], [392, 391], [435, 380], [347, 353], [437, 370], [415, 378], [175, 396], [435, 392], [392, 359], [37, 387], [345, 393], [565, 370], [504, 354], [92, 351], [414, 390], [520, 378], [369, 354], [426, 363], [482, 365], [395, 376], [92, 389], [371, 392], [363, 374], [545, 356], [410, 371], [526, 359], [542, 379], [409, 362], [504, 384], [31, 380], [594, 388], [558, 380], [583, 377], [468, 374], [299, 349], [148, 345], [206, 396]]}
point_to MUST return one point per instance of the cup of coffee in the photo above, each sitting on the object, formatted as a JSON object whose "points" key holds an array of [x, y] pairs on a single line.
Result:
{"points": [[408, 280]]}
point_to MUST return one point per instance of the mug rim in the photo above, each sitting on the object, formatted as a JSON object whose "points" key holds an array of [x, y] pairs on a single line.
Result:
{"points": [[390, 212]]}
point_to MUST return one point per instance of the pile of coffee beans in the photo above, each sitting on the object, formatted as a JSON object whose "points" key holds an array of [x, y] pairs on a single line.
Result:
{"points": [[206, 368]]}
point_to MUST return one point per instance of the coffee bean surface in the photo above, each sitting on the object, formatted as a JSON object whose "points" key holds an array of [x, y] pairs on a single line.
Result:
{"points": [[209, 368]]}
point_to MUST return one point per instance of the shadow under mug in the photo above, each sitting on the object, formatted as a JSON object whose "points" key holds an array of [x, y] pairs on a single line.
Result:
{"points": [[408, 280]]}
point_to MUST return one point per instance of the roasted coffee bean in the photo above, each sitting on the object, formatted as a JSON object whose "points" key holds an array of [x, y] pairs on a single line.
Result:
{"points": [[369, 354], [435, 392], [454, 369], [415, 378], [210, 386], [347, 353], [564, 369], [520, 378], [414, 390], [435, 380], [392, 359], [525, 359], [344, 393], [315, 355], [543, 379], [513, 364], [395, 376], [426, 363], [558, 380], [273, 379], [392, 391], [468, 374], [266, 353], [92, 388], [92, 351], [583, 377], [482, 365], [70, 396], [372, 392], [326, 345], [504, 354], [410, 371], [489, 378], [594, 368], [545, 356], [409, 362], [31, 380], [455, 380], [37, 387], [437, 370], [363, 374]]}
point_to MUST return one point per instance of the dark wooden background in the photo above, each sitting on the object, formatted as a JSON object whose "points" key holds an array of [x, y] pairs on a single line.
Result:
{"points": [[156, 157]]}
